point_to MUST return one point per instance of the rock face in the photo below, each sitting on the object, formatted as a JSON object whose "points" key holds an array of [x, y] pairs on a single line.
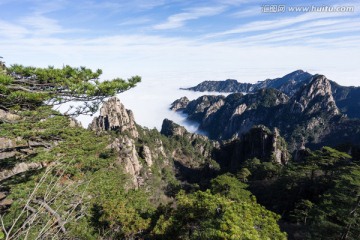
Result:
{"points": [[179, 104], [114, 116], [259, 142], [199, 142], [226, 117], [347, 99], [129, 159], [169, 129], [18, 149], [310, 117], [316, 96]]}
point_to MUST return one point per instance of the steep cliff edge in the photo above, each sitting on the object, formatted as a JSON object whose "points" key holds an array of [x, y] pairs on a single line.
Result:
{"points": [[260, 142]]}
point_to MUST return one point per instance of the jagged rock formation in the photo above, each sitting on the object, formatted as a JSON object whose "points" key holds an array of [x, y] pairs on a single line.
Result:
{"points": [[169, 129], [180, 104], [201, 143], [227, 117], [347, 99], [310, 117], [317, 96], [137, 152], [114, 116], [259, 142]]}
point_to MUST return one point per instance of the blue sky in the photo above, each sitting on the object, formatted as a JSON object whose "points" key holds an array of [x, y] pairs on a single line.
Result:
{"points": [[179, 43], [214, 39]]}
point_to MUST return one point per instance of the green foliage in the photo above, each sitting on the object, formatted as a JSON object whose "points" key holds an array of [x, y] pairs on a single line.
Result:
{"points": [[317, 194], [116, 212], [302, 210], [203, 215], [243, 174], [337, 216], [256, 169], [30, 87], [230, 187]]}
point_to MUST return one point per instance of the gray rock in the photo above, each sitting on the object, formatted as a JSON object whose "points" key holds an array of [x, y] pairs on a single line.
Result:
{"points": [[180, 104], [8, 116], [114, 117]]}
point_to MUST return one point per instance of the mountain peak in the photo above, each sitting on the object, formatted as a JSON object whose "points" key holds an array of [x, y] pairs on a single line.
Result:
{"points": [[316, 96], [114, 116]]}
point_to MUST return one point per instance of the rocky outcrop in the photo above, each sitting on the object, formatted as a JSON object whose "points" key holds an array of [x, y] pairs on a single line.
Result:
{"points": [[128, 158], [169, 129], [113, 116], [259, 142], [315, 97], [133, 153], [180, 104], [200, 143], [20, 168], [146, 155], [18, 149], [204, 105], [6, 116]]}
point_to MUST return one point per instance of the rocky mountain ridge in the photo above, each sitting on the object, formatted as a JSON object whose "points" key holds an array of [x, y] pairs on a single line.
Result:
{"points": [[287, 84], [309, 117], [346, 98]]}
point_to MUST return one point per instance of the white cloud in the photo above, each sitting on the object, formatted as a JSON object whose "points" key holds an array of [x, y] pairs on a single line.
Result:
{"points": [[306, 30], [250, 12], [269, 25], [10, 30], [178, 20], [136, 21], [41, 25]]}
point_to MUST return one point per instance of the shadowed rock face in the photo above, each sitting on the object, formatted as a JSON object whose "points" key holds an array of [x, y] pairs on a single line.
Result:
{"points": [[310, 117], [114, 116], [260, 142]]}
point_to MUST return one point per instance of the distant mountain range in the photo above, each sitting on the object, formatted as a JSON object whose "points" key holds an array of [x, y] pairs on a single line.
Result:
{"points": [[347, 98], [309, 110]]}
